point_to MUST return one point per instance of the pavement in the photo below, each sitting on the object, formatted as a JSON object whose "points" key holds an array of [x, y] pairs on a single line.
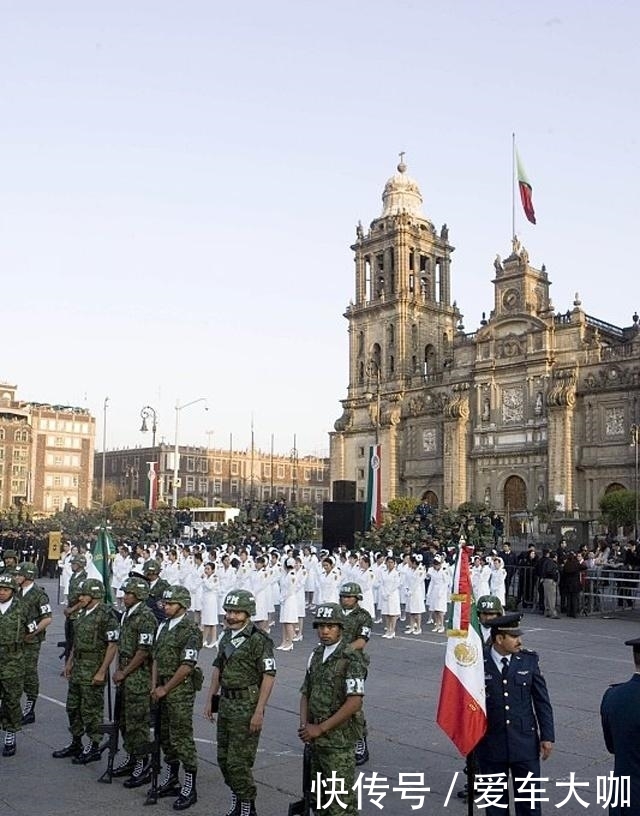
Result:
{"points": [[580, 658]]}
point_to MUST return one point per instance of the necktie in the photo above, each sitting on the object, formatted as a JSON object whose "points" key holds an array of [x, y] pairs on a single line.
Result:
{"points": [[505, 667]]}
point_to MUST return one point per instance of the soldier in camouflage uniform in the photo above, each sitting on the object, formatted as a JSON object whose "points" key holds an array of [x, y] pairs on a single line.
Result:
{"points": [[37, 607], [157, 587], [71, 611], [10, 559], [95, 642], [175, 680], [356, 632], [331, 697], [13, 630], [137, 633], [244, 673]]}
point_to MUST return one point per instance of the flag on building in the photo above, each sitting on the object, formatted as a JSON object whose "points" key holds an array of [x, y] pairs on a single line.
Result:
{"points": [[525, 191], [101, 551], [374, 501], [152, 486], [462, 710]]}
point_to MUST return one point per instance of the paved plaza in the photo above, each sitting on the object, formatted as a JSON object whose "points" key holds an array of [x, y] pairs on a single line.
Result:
{"points": [[580, 658]]}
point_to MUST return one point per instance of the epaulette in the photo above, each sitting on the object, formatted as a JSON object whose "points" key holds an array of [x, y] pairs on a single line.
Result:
{"points": [[529, 652], [613, 685]]}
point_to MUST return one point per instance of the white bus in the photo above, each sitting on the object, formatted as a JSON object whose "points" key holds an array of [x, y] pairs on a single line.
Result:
{"points": [[204, 518]]}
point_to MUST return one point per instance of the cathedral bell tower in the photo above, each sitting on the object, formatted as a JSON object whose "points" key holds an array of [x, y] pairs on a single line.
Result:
{"points": [[401, 327]]}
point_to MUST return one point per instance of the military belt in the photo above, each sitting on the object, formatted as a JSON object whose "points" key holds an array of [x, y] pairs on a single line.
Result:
{"points": [[82, 653], [237, 693]]}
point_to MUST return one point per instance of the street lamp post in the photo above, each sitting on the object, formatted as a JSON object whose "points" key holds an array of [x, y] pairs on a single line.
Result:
{"points": [[176, 448], [104, 448], [132, 473], [635, 441], [294, 473], [149, 413]]}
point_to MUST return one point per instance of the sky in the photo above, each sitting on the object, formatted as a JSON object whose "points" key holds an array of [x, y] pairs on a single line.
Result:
{"points": [[180, 184]]}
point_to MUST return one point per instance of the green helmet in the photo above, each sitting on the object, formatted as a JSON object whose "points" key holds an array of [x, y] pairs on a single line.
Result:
{"points": [[28, 570], [489, 603], [240, 600], [92, 587], [79, 559], [351, 589], [10, 554], [151, 566], [7, 580], [137, 587], [328, 613], [178, 594]]}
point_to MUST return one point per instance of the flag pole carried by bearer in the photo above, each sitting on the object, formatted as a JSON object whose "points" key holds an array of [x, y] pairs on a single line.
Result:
{"points": [[462, 709]]}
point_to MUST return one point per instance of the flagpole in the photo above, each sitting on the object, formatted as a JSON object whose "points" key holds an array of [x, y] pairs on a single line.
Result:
{"points": [[513, 185]]}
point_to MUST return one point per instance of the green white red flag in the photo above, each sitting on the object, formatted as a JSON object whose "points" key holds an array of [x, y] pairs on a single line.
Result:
{"points": [[462, 709], [526, 189]]}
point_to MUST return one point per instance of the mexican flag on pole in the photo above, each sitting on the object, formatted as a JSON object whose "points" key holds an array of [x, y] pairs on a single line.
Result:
{"points": [[462, 710], [101, 551], [526, 190], [374, 501]]}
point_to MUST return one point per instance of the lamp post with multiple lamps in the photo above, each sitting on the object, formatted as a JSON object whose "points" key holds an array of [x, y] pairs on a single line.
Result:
{"points": [[149, 413], [176, 449], [635, 442]]}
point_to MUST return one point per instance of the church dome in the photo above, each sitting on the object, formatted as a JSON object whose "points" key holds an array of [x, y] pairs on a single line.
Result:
{"points": [[401, 194]]}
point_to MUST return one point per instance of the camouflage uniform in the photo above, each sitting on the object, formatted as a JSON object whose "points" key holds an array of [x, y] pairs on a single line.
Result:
{"points": [[137, 632], [243, 658], [13, 630], [92, 633], [37, 607], [326, 686], [156, 592], [358, 624], [173, 648]]}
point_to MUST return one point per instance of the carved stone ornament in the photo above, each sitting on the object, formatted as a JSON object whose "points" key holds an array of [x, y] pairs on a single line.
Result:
{"points": [[345, 422], [458, 405], [513, 404], [614, 421], [429, 440], [562, 393]]}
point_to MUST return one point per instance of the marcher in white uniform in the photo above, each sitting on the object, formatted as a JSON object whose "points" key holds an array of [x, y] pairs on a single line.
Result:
{"points": [[415, 595], [390, 582], [438, 593], [288, 605], [210, 593]]}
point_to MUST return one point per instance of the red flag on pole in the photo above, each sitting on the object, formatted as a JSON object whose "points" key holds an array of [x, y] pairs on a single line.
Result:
{"points": [[525, 188]]}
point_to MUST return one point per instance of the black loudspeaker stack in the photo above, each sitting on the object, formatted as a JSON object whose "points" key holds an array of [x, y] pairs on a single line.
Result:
{"points": [[341, 521]]}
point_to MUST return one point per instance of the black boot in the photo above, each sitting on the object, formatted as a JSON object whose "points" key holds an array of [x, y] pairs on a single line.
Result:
{"points": [[362, 751], [91, 753], [125, 766], [74, 749], [170, 782], [141, 773], [188, 793], [29, 711], [9, 744]]}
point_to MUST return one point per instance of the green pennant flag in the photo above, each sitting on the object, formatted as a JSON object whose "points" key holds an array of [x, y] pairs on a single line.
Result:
{"points": [[101, 551]]}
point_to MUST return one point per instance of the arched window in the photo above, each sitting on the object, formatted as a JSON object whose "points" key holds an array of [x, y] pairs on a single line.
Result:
{"points": [[391, 334], [1, 434], [361, 372], [376, 355], [429, 359], [360, 343], [392, 364]]}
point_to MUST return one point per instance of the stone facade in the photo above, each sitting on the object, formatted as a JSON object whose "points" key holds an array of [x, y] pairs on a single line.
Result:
{"points": [[215, 474], [46, 454], [534, 406]]}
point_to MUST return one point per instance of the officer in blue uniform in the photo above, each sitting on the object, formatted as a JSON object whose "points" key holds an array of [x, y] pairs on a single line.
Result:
{"points": [[620, 714], [519, 715]]}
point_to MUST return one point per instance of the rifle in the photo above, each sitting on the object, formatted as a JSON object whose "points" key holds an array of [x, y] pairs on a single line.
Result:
{"points": [[112, 729], [67, 643], [303, 806], [152, 793]]}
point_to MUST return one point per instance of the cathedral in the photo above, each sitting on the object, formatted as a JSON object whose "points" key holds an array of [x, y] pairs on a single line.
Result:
{"points": [[533, 408]]}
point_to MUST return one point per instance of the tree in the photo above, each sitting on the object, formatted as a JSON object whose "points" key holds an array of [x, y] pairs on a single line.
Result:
{"points": [[126, 507], [402, 506], [188, 502], [619, 508]]}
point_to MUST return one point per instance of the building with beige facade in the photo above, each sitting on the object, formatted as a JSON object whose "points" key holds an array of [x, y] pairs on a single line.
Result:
{"points": [[536, 405], [215, 475], [46, 454]]}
